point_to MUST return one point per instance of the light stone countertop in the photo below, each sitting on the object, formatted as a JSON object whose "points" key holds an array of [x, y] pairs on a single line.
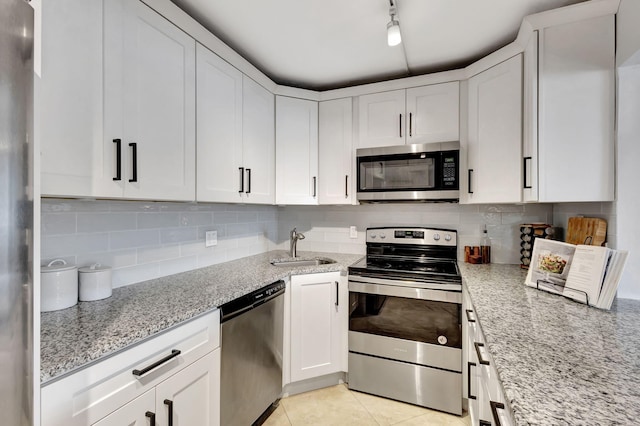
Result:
{"points": [[560, 362], [74, 337]]}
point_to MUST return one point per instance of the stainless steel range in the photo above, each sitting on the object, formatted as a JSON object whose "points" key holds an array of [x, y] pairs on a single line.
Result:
{"points": [[405, 318]]}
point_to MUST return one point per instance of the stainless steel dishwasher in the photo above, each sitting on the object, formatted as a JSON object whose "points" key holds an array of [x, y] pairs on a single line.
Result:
{"points": [[251, 364]]}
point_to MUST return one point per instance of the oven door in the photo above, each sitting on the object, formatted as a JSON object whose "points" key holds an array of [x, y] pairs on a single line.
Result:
{"points": [[419, 326]]}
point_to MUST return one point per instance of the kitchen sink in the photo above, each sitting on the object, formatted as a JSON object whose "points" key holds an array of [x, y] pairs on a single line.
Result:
{"points": [[303, 262]]}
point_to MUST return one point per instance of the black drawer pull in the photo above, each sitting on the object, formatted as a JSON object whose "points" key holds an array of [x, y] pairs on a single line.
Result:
{"points": [[241, 170], [248, 181], [174, 353], [134, 161], [400, 125], [337, 294], [469, 365], [524, 168], [494, 411], [315, 180], [469, 319], [480, 360], [118, 143], [346, 186], [469, 182], [169, 404], [152, 418]]}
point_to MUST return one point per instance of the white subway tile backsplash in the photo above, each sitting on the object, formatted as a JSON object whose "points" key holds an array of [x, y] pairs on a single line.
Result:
{"points": [[115, 259], [175, 266], [158, 220], [58, 223], [105, 222], [134, 274], [74, 244], [196, 218], [178, 235], [134, 239], [158, 254], [225, 217]]}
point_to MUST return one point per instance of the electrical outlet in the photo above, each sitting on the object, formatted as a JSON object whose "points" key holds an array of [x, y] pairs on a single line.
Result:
{"points": [[210, 238], [353, 232]]}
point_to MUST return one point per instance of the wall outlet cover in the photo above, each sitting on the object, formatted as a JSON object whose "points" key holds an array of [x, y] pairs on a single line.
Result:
{"points": [[353, 232], [210, 238]]}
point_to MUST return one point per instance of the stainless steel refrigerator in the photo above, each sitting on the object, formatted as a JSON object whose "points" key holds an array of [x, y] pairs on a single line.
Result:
{"points": [[16, 213]]}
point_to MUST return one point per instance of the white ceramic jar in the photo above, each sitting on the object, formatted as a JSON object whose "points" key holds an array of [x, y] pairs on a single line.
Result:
{"points": [[95, 282], [58, 286]]}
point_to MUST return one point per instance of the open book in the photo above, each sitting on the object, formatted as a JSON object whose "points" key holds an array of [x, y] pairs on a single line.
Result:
{"points": [[588, 274]]}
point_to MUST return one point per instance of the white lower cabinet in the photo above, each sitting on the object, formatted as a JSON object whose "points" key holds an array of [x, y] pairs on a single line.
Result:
{"points": [[318, 324], [487, 403], [174, 375]]}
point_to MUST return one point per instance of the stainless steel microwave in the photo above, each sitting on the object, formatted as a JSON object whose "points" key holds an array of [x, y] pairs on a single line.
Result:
{"points": [[417, 172]]}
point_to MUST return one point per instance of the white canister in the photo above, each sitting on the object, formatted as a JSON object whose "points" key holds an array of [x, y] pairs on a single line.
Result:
{"points": [[95, 282], [58, 286]]}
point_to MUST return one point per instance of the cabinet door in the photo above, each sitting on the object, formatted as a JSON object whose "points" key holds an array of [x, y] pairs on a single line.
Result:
{"points": [[150, 101], [68, 103], [530, 121], [316, 337], [577, 111], [192, 396], [219, 127], [433, 113], [494, 148], [258, 143], [335, 151], [382, 121], [296, 151], [138, 412]]}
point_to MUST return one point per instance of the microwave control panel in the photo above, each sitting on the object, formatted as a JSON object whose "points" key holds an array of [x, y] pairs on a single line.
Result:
{"points": [[450, 170]]}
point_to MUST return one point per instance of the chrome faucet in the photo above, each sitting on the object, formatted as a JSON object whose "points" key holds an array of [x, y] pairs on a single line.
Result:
{"points": [[293, 242]]}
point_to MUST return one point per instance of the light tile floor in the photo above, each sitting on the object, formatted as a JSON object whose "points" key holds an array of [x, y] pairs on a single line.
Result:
{"points": [[337, 405]]}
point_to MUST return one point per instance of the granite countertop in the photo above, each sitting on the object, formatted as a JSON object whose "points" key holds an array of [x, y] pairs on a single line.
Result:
{"points": [[560, 362], [76, 336]]}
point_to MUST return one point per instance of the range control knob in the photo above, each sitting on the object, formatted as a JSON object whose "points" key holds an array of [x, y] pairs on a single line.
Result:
{"points": [[436, 237], [382, 236], [373, 236], [447, 237]]}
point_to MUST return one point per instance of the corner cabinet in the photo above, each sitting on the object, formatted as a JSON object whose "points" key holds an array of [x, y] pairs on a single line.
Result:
{"points": [[570, 112], [236, 136], [424, 114], [493, 145], [318, 325], [296, 151], [169, 377], [335, 134], [125, 128]]}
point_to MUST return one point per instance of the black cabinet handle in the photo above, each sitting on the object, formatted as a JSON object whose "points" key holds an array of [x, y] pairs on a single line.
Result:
{"points": [[469, 319], [241, 170], [152, 418], [400, 125], [118, 143], [174, 353], [248, 181], [314, 186], [346, 186], [469, 183], [469, 365], [337, 294], [410, 126], [169, 404], [480, 360], [484, 423], [524, 168], [494, 411], [134, 161]]}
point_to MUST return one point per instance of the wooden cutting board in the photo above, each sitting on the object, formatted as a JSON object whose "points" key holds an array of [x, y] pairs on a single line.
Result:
{"points": [[586, 230]]}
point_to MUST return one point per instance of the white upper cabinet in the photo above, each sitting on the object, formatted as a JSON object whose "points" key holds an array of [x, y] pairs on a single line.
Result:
{"points": [[494, 142], [296, 151], [423, 114], [149, 98], [433, 113], [576, 111], [236, 136], [258, 143], [381, 120], [335, 181], [68, 103], [219, 152]]}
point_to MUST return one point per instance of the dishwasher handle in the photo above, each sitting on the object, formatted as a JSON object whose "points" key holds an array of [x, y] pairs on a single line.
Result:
{"points": [[249, 301]]}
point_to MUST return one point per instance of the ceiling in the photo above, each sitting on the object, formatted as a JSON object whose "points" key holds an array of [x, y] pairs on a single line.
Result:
{"points": [[328, 44]]}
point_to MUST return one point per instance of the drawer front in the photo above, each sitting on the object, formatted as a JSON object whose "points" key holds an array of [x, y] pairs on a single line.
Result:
{"points": [[93, 392]]}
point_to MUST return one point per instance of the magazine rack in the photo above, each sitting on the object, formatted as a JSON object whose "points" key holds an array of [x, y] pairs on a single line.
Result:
{"points": [[549, 283]]}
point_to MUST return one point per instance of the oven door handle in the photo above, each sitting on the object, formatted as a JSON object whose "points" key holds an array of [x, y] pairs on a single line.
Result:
{"points": [[407, 283], [408, 292]]}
